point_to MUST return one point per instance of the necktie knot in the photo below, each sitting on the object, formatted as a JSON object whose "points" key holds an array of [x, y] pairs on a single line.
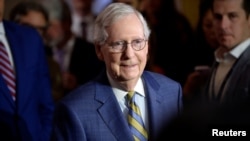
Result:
{"points": [[130, 96]]}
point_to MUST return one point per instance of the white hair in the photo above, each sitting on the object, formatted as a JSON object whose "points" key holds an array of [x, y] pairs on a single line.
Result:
{"points": [[109, 15]]}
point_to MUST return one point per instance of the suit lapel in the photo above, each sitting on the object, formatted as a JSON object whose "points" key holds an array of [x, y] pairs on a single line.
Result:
{"points": [[236, 70], [154, 104], [111, 113], [20, 69], [10, 35]]}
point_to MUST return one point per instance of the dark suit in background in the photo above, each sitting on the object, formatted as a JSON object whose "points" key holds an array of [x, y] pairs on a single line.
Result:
{"points": [[29, 117], [238, 82], [75, 55], [84, 63]]}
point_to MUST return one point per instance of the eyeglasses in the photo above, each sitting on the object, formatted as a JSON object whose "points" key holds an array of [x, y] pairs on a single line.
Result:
{"points": [[120, 46]]}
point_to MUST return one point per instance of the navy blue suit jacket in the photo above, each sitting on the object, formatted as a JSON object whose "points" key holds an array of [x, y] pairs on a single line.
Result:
{"points": [[29, 117], [92, 113]]}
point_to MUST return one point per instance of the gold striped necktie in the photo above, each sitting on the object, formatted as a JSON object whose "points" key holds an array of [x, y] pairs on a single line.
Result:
{"points": [[135, 120]]}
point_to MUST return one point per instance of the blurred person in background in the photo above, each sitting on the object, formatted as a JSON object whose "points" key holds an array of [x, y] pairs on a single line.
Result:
{"points": [[26, 103], [223, 102], [82, 18], [76, 56], [206, 39], [207, 43], [35, 15], [172, 40], [230, 79]]}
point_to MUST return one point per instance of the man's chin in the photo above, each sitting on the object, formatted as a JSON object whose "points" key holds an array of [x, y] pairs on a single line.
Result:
{"points": [[128, 77]]}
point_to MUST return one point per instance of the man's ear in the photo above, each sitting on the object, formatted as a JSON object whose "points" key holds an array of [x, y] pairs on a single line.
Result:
{"points": [[98, 52]]}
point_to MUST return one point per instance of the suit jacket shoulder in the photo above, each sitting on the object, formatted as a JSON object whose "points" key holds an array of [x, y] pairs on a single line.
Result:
{"points": [[157, 80]]}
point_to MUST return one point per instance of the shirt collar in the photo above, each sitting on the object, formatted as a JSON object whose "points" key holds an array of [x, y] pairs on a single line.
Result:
{"points": [[222, 53], [238, 50], [120, 94], [2, 31], [70, 44], [67, 47]]}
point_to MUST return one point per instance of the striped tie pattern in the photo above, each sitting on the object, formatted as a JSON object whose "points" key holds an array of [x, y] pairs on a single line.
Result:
{"points": [[7, 71], [135, 120]]}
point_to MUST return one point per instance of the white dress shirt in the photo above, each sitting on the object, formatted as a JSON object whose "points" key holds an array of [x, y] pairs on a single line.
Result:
{"points": [[140, 99], [62, 56]]}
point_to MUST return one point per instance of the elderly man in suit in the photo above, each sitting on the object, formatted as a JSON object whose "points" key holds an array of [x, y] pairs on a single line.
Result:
{"points": [[101, 108], [26, 103]]}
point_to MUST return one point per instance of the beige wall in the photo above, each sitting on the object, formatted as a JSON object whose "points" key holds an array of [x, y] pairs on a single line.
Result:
{"points": [[190, 9]]}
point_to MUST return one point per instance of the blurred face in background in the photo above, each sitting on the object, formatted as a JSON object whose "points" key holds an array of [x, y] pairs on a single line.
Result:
{"points": [[36, 20], [231, 22], [82, 7], [209, 29], [55, 33]]}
